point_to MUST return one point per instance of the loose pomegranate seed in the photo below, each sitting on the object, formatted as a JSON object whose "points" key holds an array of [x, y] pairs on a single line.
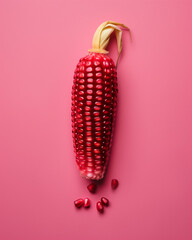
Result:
{"points": [[86, 203], [79, 202], [92, 187], [114, 183], [100, 207], [105, 201]]}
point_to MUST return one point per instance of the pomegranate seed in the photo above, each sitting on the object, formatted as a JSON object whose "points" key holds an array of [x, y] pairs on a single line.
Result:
{"points": [[99, 207], [79, 202], [92, 187], [105, 201], [114, 183], [86, 203]]}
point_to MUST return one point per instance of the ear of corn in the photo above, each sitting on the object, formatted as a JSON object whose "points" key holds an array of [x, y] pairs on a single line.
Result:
{"points": [[94, 100]]}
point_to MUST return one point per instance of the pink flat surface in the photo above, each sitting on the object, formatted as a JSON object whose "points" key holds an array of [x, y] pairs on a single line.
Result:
{"points": [[40, 44]]}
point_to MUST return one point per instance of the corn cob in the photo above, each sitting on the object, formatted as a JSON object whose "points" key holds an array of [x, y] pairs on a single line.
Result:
{"points": [[94, 100]]}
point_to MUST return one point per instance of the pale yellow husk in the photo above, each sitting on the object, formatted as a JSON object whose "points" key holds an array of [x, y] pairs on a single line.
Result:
{"points": [[102, 36]]}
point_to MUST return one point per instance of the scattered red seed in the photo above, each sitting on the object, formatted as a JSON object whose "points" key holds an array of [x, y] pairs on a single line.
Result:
{"points": [[87, 203], [92, 187], [114, 183], [79, 202], [99, 206], [105, 201]]}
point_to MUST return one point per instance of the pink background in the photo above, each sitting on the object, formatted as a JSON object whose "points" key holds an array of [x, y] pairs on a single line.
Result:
{"points": [[40, 44]]}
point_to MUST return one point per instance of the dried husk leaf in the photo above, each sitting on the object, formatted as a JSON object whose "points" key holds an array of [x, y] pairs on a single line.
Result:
{"points": [[102, 36]]}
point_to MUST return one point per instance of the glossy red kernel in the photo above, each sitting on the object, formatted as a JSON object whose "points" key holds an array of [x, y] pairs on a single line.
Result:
{"points": [[114, 183], [87, 203], [92, 187], [79, 203], [99, 206], [105, 201]]}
